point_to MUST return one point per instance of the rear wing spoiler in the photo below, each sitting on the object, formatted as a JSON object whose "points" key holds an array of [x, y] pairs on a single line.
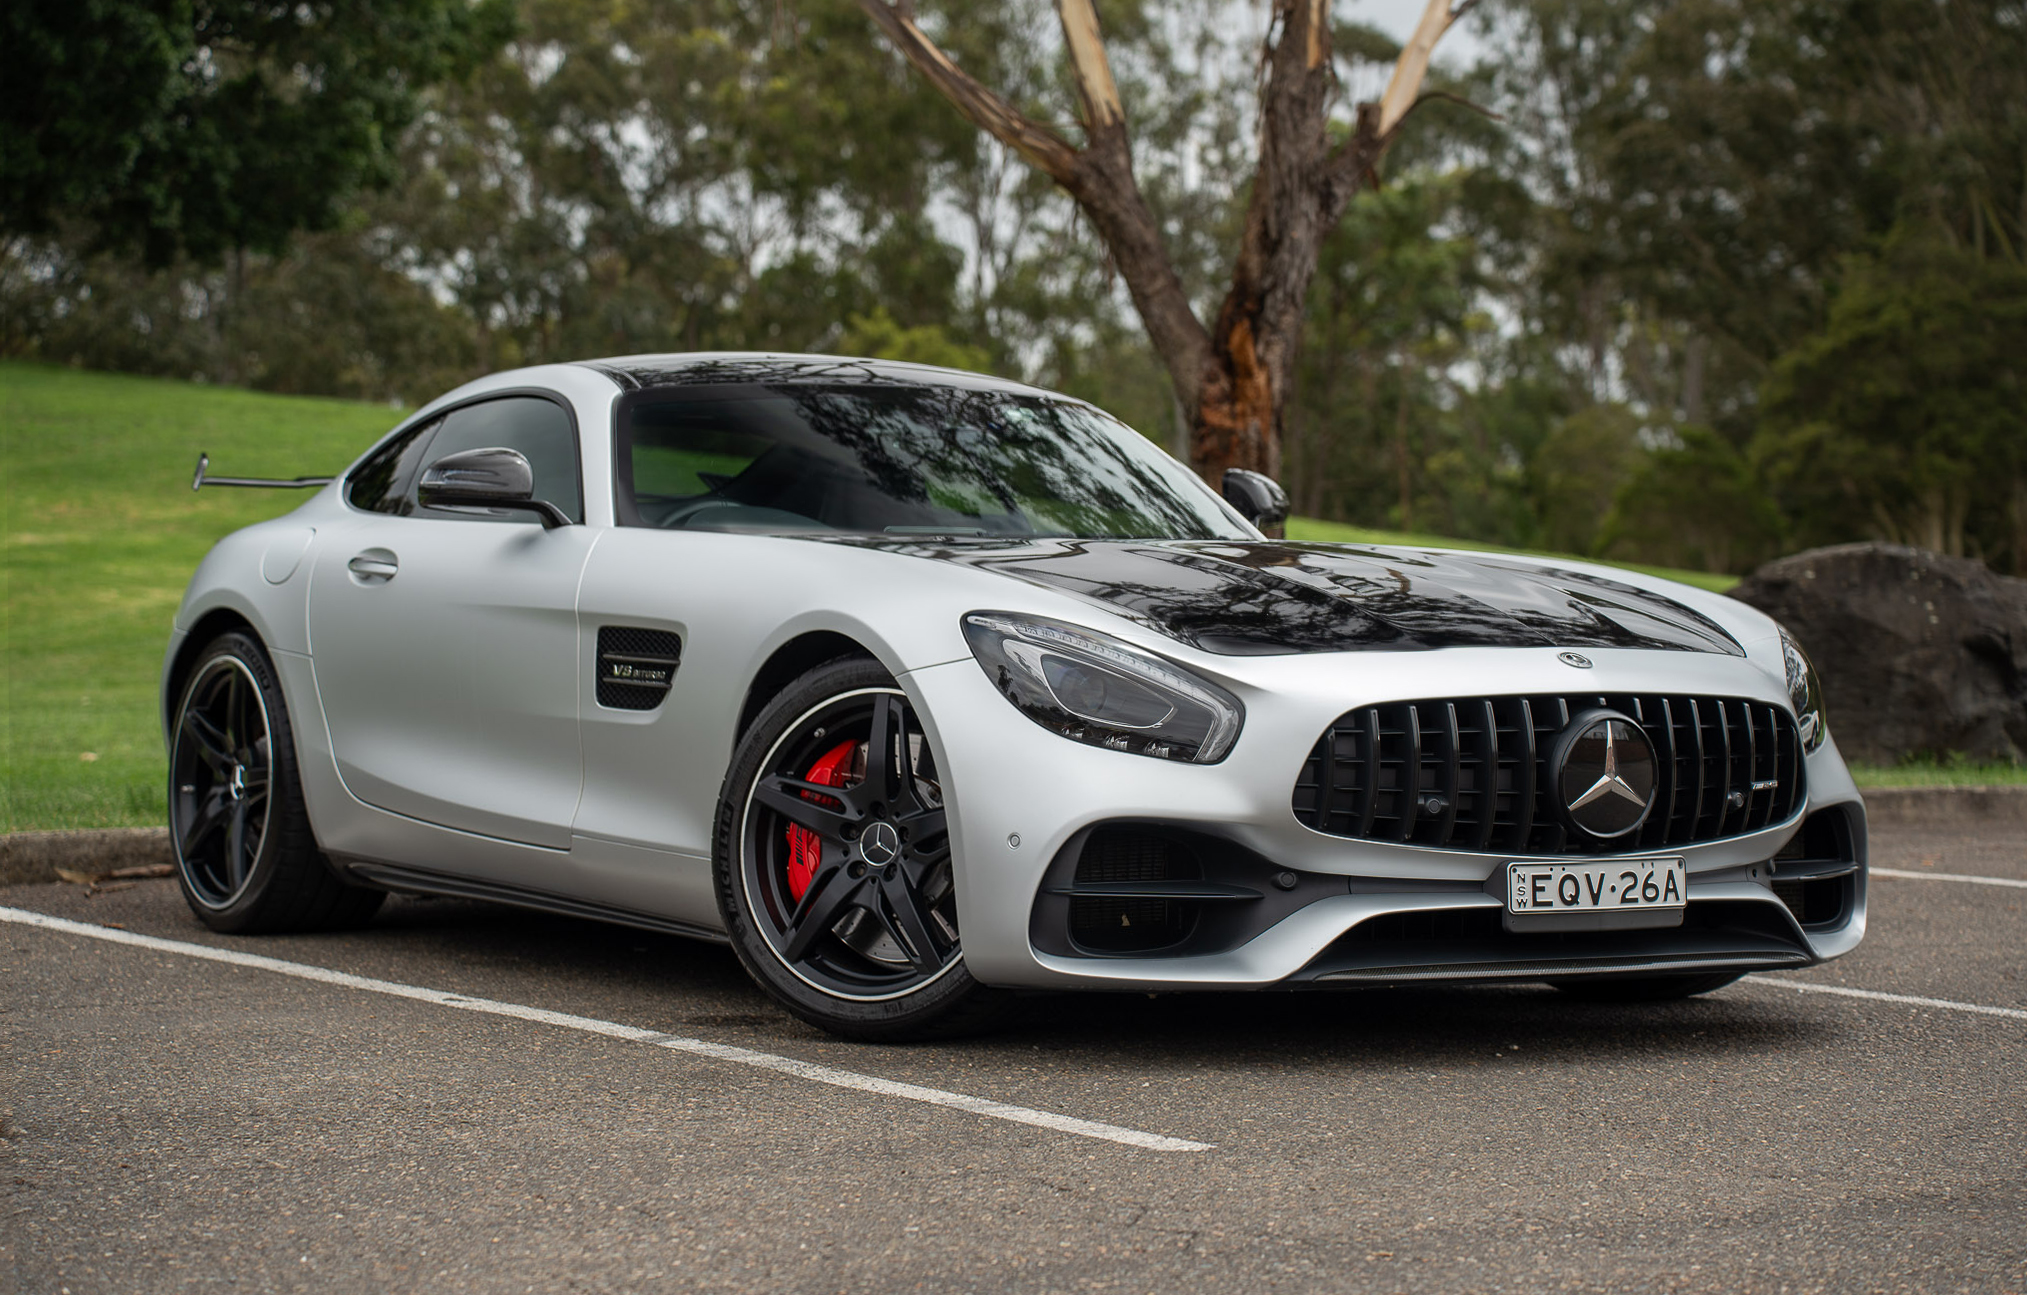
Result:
{"points": [[200, 481]]}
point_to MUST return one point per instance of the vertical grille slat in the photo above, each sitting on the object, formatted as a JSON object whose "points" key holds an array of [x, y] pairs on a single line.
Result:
{"points": [[1696, 801], [1526, 775], [1449, 771], [1368, 799], [1732, 773], [1486, 802], [1754, 772], [1789, 746], [1411, 771], [1379, 772], [1665, 751], [1325, 776]]}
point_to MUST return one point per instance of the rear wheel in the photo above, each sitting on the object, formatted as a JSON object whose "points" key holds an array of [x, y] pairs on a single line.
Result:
{"points": [[1644, 989], [245, 855], [834, 865]]}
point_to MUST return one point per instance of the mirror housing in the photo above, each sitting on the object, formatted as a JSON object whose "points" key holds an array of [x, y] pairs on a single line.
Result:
{"points": [[1259, 499], [486, 478]]}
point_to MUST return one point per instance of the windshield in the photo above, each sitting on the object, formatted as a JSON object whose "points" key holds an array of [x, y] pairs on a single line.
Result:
{"points": [[902, 460]]}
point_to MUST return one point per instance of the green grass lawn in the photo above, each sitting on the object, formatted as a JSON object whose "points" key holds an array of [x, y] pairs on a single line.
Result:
{"points": [[101, 533], [1957, 772]]}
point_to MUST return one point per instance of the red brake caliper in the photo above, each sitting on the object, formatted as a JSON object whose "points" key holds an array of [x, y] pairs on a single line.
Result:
{"points": [[805, 850]]}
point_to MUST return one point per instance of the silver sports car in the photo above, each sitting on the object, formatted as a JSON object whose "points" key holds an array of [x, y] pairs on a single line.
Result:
{"points": [[919, 687]]}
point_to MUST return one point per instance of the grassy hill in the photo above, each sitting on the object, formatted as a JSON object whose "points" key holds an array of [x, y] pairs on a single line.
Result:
{"points": [[101, 533]]}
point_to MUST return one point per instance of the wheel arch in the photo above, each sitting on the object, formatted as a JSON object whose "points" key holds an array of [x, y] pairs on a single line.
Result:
{"points": [[219, 620], [789, 662]]}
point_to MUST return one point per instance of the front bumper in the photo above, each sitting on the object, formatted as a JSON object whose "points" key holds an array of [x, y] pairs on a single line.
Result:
{"points": [[1025, 801]]}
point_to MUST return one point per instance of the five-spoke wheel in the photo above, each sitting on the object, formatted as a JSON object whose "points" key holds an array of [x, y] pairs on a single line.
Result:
{"points": [[219, 775], [835, 867]]}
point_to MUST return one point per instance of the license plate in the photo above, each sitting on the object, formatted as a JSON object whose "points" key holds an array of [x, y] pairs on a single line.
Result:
{"points": [[1622, 885]]}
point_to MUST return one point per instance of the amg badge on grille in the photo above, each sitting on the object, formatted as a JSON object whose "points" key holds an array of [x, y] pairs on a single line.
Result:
{"points": [[1606, 774]]}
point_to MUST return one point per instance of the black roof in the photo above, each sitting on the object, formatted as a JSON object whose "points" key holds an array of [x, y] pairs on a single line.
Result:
{"points": [[739, 368]]}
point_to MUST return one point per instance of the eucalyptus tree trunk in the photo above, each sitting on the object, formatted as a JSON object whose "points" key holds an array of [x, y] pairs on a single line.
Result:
{"points": [[1230, 376]]}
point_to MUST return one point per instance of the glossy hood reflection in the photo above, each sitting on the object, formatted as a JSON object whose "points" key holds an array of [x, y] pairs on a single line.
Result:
{"points": [[1270, 598]]}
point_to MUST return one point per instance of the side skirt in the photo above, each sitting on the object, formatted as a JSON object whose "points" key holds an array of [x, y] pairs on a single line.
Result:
{"points": [[421, 881]]}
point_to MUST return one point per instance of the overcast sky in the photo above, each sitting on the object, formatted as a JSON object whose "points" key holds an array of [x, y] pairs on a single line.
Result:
{"points": [[1397, 18]]}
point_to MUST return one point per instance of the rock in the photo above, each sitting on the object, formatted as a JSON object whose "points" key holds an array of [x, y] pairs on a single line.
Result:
{"points": [[1920, 654]]}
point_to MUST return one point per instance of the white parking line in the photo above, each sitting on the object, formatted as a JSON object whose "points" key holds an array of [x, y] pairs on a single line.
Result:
{"points": [[1949, 876], [700, 1047], [1911, 1000]]}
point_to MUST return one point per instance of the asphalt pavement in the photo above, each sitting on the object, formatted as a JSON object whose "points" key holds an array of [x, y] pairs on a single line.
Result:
{"points": [[489, 1100]]}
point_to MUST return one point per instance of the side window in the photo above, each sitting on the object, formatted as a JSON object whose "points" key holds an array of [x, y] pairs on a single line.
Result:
{"points": [[382, 484], [681, 456], [538, 428]]}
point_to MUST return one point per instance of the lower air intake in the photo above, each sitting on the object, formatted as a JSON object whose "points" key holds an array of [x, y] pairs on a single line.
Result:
{"points": [[1118, 925]]}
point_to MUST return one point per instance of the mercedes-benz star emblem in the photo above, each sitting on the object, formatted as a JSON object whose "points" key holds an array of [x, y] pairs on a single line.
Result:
{"points": [[881, 844], [1606, 773], [1577, 659]]}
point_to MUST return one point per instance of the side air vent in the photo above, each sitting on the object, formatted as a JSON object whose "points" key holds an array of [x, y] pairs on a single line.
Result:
{"points": [[636, 667]]}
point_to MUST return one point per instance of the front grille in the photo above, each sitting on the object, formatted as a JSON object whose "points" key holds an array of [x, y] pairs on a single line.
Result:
{"points": [[1472, 773], [636, 667]]}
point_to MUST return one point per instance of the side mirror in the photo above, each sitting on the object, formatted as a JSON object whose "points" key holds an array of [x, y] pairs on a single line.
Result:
{"points": [[488, 478], [1259, 499]]}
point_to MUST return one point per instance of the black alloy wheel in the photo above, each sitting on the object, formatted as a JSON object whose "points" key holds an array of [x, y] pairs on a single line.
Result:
{"points": [[219, 778], [834, 861], [245, 855]]}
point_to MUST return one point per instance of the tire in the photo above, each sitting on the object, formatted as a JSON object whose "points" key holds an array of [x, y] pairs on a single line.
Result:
{"points": [[1644, 989], [245, 856], [844, 908]]}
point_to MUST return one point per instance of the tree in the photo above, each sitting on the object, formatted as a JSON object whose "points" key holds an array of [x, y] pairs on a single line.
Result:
{"points": [[1231, 379], [1702, 170], [1698, 504], [1907, 415], [1390, 308], [879, 336], [199, 127]]}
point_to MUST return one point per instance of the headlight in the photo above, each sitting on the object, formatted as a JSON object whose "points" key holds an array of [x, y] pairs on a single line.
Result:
{"points": [[1093, 689], [1805, 690]]}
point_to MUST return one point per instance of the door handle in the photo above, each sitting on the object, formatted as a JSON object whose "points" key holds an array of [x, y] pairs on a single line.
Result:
{"points": [[374, 565]]}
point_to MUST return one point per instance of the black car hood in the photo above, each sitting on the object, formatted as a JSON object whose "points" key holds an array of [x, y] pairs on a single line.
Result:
{"points": [[1240, 598]]}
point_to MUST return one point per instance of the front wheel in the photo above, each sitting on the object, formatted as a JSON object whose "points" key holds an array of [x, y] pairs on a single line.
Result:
{"points": [[245, 855], [833, 862]]}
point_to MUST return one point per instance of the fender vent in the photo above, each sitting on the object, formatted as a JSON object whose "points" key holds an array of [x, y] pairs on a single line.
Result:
{"points": [[636, 667]]}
